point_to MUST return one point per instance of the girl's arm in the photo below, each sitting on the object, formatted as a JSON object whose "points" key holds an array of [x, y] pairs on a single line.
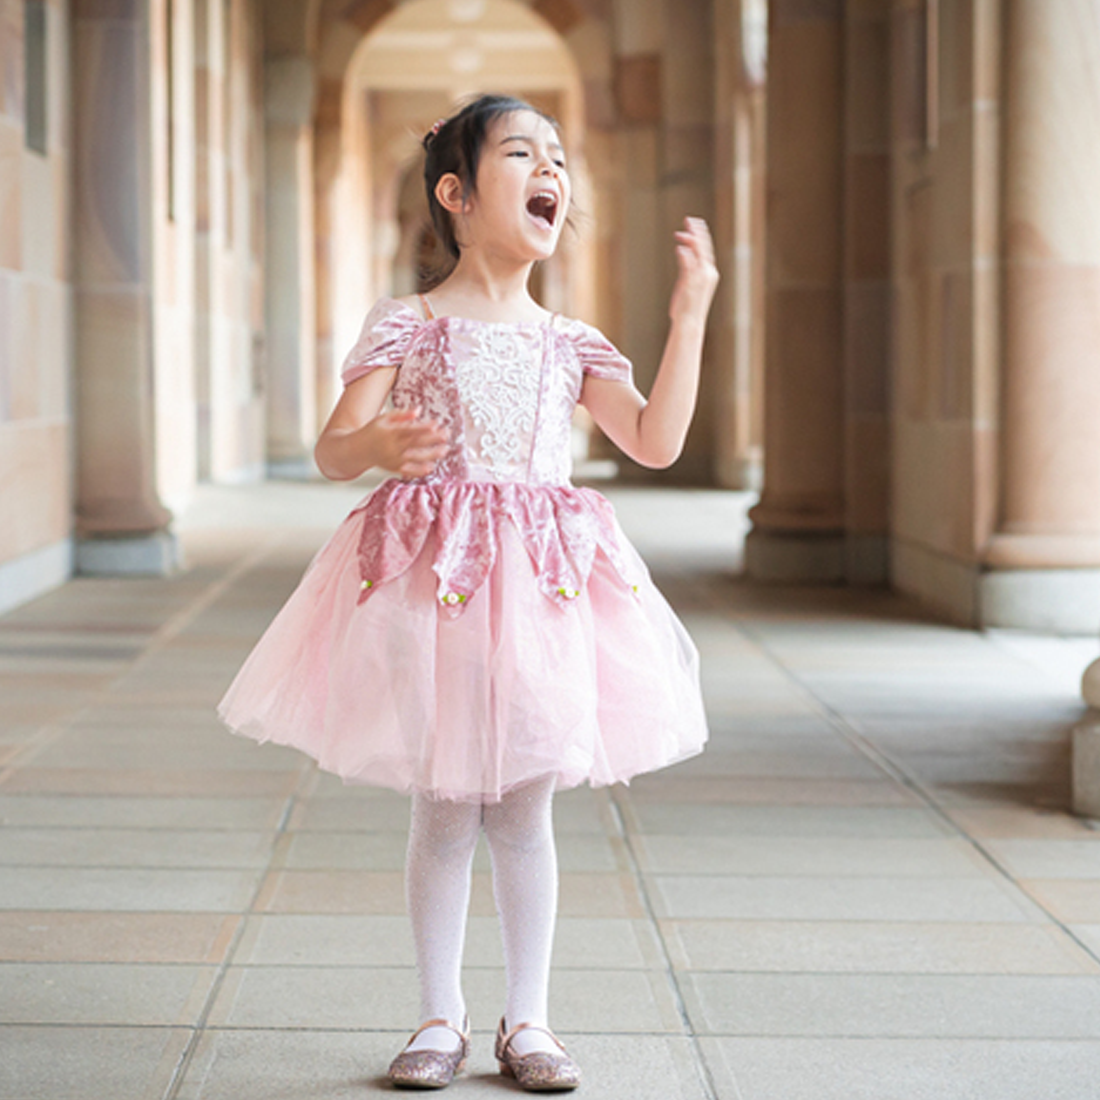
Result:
{"points": [[359, 436], [652, 432]]}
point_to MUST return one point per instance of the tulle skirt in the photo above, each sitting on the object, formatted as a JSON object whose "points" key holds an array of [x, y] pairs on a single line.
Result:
{"points": [[398, 691]]}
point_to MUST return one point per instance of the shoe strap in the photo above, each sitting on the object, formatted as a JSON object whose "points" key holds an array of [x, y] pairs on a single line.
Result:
{"points": [[506, 1041], [463, 1035]]}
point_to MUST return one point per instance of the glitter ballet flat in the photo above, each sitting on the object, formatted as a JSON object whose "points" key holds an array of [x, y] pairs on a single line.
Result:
{"points": [[540, 1071], [430, 1069]]}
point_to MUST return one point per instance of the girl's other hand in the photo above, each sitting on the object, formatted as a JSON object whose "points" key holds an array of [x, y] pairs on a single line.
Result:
{"points": [[698, 277], [407, 445]]}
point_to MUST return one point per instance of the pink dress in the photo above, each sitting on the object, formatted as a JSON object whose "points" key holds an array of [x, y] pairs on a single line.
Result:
{"points": [[467, 632]]}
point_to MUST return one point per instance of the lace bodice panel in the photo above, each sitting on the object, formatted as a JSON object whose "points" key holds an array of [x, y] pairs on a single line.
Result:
{"points": [[505, 393], [509, 395]]}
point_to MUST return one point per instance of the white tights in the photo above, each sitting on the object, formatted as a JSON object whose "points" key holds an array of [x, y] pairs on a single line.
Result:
{"points": [[442, 838]]}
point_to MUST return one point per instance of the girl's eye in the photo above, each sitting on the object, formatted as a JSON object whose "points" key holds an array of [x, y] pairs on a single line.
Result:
{"points": [[518, 153]]}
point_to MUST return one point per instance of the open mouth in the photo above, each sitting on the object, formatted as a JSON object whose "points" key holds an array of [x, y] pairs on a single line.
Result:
{"points": [[543, 208]]}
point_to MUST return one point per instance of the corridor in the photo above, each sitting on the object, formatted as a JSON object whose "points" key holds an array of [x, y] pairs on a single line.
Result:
{"points": [[868, 887]]}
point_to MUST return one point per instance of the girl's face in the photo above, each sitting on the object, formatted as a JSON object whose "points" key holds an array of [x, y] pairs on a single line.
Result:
{"points": [[519, 205]]}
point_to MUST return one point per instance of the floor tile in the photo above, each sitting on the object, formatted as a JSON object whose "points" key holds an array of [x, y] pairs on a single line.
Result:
{"points": [[147, 890], [875, 899], [256, 1065], [1061, 859], [377, 893], [866, 947], [811, 856], [88, 1063], [141, 812], [101, 994], [344, 997], [771, 791], [179, 783], [346, 851], [796, 759], [175, 748], [378, 851], [870, 1069], [383, 893], [1072, 901], [894, 1006], [1089, 936], [310, 940], [1021, 822], [326, 804], [133, 848], [115, 937], [691, 819]]}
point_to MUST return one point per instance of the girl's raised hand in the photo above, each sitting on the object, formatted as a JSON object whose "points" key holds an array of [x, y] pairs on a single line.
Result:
{"points": [[698, 277], [407, 445]]}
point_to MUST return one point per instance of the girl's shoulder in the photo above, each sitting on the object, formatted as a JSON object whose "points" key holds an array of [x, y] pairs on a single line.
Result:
{"points": [[598, 356], [388, 332], [413, 304]]}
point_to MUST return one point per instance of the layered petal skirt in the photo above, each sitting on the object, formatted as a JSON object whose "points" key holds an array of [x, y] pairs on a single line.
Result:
{"points": [[460, 639]]}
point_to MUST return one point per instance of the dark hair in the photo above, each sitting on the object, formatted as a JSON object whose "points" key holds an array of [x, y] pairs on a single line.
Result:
{"points": [[454, 145]]}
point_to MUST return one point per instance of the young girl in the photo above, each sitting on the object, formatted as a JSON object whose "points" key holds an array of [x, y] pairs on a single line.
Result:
{"points": [[479, 632]]}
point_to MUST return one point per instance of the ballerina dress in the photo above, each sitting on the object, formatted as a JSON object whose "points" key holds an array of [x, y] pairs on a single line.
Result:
{"points": [[464, 633]]}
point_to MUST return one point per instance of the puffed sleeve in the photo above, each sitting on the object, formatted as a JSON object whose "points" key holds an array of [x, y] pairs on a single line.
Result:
{"points": [[383, 341], [598, 356]]}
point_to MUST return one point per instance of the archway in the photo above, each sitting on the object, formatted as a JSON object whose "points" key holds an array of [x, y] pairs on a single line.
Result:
{"points": [[411, 68]]}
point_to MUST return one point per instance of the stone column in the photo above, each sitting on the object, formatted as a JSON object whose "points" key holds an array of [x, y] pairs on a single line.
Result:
{"points": [[290, 289], [867, 291], [122, 527], [1043, 562], [209, 215], [737, 373], [798, 526], [327, 154]]}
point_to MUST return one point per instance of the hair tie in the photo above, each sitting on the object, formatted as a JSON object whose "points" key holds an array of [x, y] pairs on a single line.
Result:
{"points": [[437, 126]]}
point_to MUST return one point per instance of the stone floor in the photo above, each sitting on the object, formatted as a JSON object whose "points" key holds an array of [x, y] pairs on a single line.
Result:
{"points": [[867, 889]]}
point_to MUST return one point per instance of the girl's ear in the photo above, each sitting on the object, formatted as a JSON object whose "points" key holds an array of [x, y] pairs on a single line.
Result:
{"points": [[449, 193]]}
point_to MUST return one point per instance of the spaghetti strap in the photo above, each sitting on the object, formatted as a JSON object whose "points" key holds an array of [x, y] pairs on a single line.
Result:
{"points": [[429, 313]]}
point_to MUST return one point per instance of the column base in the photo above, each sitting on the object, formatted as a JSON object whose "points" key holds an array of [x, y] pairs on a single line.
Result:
{"points": [[795, 559], [745, 475], [1049, 601], [1090, 684], [867, 560], [292, 469], [1046, 601], [1086, 765], [34, 574], [155, 555], [810, 558]]}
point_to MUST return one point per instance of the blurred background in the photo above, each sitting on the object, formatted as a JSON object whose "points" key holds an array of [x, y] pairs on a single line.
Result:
{"points": [[200, 199]]}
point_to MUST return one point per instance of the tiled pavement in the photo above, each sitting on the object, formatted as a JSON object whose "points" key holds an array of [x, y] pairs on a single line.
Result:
{"points": [[867, 889]]}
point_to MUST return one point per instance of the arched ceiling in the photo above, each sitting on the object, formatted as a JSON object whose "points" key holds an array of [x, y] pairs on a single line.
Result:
{"points": [[460, 45]]}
